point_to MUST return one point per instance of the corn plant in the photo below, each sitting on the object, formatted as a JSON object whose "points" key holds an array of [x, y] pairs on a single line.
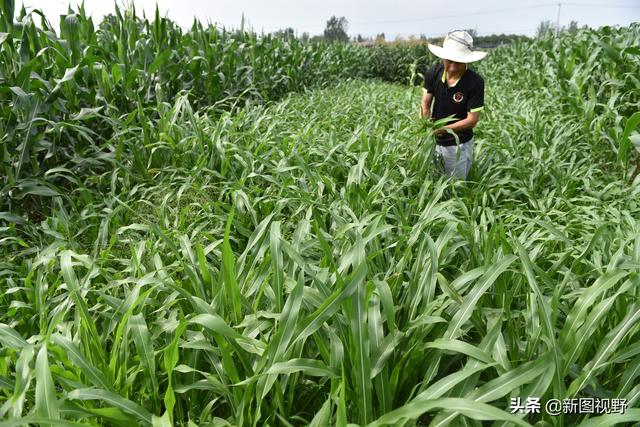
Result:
{"points": [[300, 261], [65, 95]]}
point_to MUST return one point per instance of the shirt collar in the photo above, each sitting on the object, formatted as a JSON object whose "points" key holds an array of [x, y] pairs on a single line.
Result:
{"points": [[444, 76]]}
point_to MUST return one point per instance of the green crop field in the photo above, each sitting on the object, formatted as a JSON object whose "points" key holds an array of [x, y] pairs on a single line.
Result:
{"points": [[214, 228]]}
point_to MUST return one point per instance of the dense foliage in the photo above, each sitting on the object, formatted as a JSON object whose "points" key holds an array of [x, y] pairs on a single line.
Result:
{"points": [[176, 253], [404, 63], [66, 98]]}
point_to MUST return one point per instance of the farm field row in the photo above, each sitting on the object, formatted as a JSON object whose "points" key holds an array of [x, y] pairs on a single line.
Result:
{"points": [[302, 262], [206, 227]]}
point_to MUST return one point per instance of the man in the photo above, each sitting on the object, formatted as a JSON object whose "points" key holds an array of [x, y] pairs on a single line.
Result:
{"points": [[455, 91]]}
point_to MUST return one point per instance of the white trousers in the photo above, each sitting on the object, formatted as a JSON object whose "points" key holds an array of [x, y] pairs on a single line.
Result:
{"points": [[456, 165]]}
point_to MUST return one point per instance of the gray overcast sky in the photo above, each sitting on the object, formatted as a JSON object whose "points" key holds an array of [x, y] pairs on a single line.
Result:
{"points": [[370, 17]]}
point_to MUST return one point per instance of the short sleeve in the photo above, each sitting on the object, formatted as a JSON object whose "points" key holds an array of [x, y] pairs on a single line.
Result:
{"points": [[428, 79], [476, 97]]}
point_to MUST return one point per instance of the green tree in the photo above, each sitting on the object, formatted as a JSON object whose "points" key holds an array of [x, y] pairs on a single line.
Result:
{"points": [[545, 28], [336, 29], [472, 32], [287, 33]]}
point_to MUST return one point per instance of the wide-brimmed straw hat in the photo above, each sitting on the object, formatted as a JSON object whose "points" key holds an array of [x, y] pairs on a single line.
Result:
{"points": [[458, 47]]}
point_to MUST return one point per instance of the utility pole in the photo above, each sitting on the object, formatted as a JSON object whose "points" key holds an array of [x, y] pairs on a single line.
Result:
{"points": [[558, 20]]}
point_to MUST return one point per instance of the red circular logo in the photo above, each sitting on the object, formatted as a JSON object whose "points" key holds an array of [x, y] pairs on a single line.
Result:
{"points": [[457, 97]]}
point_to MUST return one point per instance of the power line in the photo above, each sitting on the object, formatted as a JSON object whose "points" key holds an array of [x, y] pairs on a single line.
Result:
{"points": [[506, 31], [614, 6], [433, 18], [486, 12]]}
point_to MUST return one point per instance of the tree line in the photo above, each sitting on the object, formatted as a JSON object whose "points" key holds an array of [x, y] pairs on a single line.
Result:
{"points": [[336, 30]]}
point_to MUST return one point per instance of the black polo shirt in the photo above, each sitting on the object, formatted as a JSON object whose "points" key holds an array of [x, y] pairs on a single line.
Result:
{"points": [[467, 94]]}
